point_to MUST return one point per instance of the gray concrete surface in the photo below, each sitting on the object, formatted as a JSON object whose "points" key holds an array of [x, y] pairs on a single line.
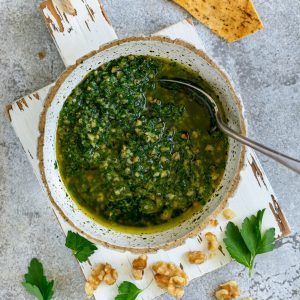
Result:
{"points": [[265, 67]]}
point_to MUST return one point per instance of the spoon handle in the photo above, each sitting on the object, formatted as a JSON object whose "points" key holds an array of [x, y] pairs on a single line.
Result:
{"points": [[291, 163]]}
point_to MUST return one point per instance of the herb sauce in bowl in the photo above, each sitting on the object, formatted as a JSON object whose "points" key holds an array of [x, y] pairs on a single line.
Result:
{"points": [[133, 154]]}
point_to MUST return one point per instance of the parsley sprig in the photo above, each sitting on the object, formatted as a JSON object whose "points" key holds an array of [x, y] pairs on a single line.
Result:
{"points": [[36, 283], [127, 291], [245, 244], [81, 247]]}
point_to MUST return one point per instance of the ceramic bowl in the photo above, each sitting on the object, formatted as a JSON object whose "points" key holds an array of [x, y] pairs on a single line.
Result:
{"points": [[176, 50]]}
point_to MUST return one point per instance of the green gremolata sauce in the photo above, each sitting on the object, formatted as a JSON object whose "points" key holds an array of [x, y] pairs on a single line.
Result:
{"points": [[134, 155]]}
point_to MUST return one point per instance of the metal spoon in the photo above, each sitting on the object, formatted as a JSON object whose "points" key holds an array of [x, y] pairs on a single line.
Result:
{"points": [[291, 163]]}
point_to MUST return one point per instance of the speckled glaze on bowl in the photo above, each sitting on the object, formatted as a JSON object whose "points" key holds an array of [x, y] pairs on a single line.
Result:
{"points": [[176, 50]]}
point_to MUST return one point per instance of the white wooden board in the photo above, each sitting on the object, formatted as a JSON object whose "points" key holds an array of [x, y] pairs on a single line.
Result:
{"points": [[254, 191], [77, 26]]}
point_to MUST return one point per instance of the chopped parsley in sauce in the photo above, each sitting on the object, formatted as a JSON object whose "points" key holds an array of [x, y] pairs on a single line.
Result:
{"points": [[134, 153]]}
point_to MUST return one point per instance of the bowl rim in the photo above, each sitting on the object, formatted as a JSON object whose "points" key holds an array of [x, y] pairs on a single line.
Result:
{"points": [[235, 181]]}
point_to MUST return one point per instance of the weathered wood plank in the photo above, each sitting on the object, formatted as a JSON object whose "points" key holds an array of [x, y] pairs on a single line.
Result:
{"points": [[77, 26], [24, 115]]}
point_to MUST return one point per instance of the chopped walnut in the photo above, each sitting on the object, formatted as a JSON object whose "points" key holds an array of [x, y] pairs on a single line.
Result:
{"points": [[138, 266], [228, 290], [111, 274], [94, 281], [222, 295], [196, 257], [209, 148], [140, 263], [185, 136], [178, 281], [137, 274], [214, 222], [213, 244], [169, 276], [162, 280], [169, 269], [228, 214], [102, 272], [175, 291]]}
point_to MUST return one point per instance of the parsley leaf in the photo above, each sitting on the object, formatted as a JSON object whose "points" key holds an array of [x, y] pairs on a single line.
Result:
{"points": [[127, 291], [251, 231], [267, 242], [236, 246], [36, 283], [81, 247], [243, 245]]}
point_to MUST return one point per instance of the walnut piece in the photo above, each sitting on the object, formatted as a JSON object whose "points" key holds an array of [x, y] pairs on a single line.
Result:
{"points": [[111, 274], [214, 222], [178, 281], [213, 243], [101, 272], [162, 280], [169, 269], [138, 266], [137, 274], [228, 290], [140, 263], [175, 286], [170, 277], [228, 214], [222, 295], [196, 257]]}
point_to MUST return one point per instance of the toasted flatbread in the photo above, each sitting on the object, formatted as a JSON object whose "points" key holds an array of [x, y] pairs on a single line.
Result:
{"points": [[230, 19]]}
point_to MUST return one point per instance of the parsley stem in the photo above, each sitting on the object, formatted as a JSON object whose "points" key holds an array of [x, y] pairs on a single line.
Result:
{"points": [[251, 266]]}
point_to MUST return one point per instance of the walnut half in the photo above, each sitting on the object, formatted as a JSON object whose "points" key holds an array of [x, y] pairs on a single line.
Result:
{"points": [[138, 267], [170, 277], [228, 290], [228, 214], [214, 222], [196, 257], [101, 272], [213, 244]]}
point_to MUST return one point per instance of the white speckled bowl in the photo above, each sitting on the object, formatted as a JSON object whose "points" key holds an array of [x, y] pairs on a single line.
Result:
{"points": [[156, 46]]}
